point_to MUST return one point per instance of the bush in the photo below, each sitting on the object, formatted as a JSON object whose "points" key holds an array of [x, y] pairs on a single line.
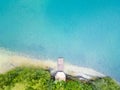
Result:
{"points": [[32, 78], [106, 83]]}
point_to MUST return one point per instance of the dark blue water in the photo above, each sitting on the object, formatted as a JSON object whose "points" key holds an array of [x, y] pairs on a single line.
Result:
{"points": [[84, 33]]}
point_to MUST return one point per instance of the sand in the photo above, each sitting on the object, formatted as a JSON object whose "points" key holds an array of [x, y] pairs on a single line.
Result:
{"points": [[9, 60]]}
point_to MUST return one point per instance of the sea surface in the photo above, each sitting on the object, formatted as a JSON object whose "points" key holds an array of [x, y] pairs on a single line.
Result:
{"points": [[84, 33]]}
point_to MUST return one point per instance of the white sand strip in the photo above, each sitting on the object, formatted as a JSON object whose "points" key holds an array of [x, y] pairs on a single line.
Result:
{"points": [[10, 60]]}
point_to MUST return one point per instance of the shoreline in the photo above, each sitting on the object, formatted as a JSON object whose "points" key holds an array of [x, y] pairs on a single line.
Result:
{"points": [[9, 60]]}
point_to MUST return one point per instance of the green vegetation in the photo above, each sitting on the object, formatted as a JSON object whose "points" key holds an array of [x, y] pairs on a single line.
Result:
{"points": [[32, 78]]}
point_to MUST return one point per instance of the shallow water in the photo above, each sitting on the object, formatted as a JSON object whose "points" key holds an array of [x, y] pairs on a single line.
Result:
{"points": [[85, 35]]}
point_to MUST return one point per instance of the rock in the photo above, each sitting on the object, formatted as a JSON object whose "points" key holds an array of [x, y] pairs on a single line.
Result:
{"points": [[60, 76]]}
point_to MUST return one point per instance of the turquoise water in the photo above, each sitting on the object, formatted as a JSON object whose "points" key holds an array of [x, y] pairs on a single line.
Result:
{"points": [[86, 33]]}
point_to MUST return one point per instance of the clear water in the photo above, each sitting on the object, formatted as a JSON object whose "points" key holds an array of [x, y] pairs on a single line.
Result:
{"points": [[86, 33]]}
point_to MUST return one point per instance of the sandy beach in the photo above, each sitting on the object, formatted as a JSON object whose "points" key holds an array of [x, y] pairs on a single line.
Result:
{"points": [[9, 60]]}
